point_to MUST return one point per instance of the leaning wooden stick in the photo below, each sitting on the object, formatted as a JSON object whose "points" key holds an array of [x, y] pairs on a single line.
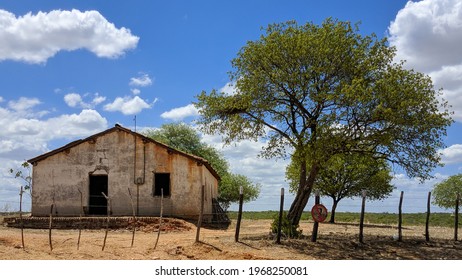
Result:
{"points": [[50, 225], [20, 218], [134, 217], [80, 219], [161, 211], [107, 220]]}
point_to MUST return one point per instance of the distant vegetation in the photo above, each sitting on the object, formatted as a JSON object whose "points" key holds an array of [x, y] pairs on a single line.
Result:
{"points": [[411, 219]]}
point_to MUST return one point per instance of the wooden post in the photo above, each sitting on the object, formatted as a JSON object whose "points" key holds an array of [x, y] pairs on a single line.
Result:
{"points": [[134, 217], [201, 214], [281, 212], [107, 219], [160, 219], [20, 218], [427, 221], [456, 218], [50, 225], [239, 215], [80, 219], [314, 235], [361, 219], [400, 217], [137, 199]]}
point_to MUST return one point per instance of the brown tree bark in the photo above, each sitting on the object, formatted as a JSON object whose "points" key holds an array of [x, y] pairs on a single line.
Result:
{"points": [[332, 212], [303, 194]]}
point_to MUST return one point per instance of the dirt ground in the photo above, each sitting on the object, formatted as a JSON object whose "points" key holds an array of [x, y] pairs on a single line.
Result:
{"points": [[335, 242]]}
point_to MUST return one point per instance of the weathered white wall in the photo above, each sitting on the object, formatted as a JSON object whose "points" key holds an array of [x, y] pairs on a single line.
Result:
{"points": [[59, 178]]}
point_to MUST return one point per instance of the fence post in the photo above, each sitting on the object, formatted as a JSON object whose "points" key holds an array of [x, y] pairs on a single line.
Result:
{"points": [[20, 218], [80, 219], [427, 221], [133, 216], [281, 210], [239, 215], [50, 225], [400, 217], [201, 214], [161, 213], [361, 219], [456, 218], [107, 219], [314, 235]]}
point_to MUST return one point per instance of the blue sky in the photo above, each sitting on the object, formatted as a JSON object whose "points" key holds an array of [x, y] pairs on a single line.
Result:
{"points": [[69, 69]]}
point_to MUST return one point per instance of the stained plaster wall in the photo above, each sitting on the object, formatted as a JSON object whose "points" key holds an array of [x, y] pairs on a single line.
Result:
{"points": [[58, 178]]}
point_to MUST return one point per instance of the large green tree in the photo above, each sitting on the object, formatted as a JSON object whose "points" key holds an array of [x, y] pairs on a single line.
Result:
{"points": [[445, 193], [346, 176], [184, 138], [321, 90]]}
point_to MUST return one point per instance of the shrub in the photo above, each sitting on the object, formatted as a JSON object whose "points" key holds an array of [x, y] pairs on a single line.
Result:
{"points": [[286, 228]]}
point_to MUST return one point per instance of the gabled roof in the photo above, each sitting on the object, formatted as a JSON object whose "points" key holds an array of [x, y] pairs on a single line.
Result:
{"points": [[120, 128]]}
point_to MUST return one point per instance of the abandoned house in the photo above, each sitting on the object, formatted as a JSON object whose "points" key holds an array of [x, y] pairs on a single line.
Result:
{"points": [[132, 170]]}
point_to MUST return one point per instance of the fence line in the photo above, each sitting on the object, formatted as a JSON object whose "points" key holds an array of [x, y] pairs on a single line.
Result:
{"points": [[199, 223]]}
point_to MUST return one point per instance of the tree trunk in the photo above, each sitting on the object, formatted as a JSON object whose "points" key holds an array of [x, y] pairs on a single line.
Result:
{"points": [[332, 212], [303, 194]]}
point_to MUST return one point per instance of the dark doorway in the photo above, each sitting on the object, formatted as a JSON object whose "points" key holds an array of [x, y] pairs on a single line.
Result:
{"points": [[98, 203]]}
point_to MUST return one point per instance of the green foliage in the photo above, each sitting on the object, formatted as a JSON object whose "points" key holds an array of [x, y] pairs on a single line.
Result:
{"points": [[445, 193], [229, 189], [346, 176], [24, 173], [287, 229], [321, 91], [184, 138]]}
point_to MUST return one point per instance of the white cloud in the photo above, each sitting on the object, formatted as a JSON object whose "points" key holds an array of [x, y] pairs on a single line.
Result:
{"points": [[452, 154], [1, 99], [229, 89], [75, 100], [25, 134], [142, 81], [428, 35], [136, 91], [178, 114], [34, 38], [98, 99], [23, 104], [128, 105]]}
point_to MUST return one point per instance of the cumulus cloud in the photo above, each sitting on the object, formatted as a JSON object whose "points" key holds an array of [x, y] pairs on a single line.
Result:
{"points": [[25, 133], [136, 91], [34, 38], [452, 154], [178, 114], [428, 35], [142, 81], [23, 104], [75, 100], [128, 105]]}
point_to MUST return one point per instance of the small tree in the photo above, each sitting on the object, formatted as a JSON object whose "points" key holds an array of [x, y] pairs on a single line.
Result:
{"points": [[346, 176], [24, 173], [445, 193], [184, 138]]}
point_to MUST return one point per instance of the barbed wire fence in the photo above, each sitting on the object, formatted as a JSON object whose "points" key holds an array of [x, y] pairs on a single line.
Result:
{"points": [[402, 204]]}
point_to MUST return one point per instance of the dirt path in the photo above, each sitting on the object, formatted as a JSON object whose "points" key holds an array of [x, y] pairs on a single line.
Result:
{"points": [[336, 242]]}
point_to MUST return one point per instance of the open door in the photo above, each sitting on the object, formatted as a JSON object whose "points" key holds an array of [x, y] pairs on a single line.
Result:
{"points": [[98, 203]]}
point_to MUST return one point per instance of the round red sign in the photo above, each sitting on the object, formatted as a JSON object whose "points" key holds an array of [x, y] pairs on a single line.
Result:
{"points": [[319, 213]]}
